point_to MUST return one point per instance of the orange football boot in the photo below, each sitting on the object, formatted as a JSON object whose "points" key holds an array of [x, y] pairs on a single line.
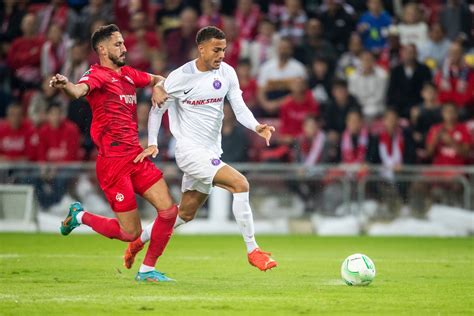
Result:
{"points": [[261, 260], [133, 248]]}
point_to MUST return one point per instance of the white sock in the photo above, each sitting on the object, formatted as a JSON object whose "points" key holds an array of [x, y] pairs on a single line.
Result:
{"points": [[145, 268], [243, 216], [79, 217], [146, 233], [179, 222]]}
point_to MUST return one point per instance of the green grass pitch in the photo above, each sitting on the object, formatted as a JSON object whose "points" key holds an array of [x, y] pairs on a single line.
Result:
{"points": [[82, 274]]}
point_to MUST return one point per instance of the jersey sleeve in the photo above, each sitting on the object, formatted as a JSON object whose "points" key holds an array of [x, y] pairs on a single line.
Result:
{"points": [[234, 86], [140, 78], [172, 85], [92, 79]]}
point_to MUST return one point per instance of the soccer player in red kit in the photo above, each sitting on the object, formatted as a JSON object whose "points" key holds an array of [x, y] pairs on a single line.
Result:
{"points": [[109, 87]]}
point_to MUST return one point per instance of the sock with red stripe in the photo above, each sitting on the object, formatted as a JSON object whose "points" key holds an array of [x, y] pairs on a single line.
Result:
{"points": [[160, 235]]}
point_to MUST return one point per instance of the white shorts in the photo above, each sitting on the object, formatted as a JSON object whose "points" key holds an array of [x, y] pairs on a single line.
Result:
{"points": [[199, 167]]}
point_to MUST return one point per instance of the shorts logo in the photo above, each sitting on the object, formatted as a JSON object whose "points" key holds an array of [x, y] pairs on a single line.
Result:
{"points": [[215, 162], [119, 197], [217, 84]]}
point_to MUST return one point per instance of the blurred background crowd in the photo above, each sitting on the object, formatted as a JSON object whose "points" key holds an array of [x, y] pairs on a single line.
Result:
{"points": [[387, 82]]}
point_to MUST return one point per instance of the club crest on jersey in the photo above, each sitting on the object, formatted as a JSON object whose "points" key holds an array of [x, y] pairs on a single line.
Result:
{"points": [[217, 84], [119, 197], [215, 162]]}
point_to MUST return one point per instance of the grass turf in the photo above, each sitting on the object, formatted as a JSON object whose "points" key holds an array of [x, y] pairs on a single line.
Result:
{"points": [[83, 275]]}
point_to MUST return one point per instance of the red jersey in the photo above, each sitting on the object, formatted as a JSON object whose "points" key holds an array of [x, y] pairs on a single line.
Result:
{"points": [[293, 113], [15, 143], [59, 144], [444, 154], [113, 102]]}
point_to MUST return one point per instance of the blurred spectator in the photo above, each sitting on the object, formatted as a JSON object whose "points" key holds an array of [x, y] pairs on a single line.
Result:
{"points": [[435, 50], [95, 10], [15, 136], [210, 14], [11, 14], [180, 41], [456, 19], [448, 143], [369, 84], [40, 100], [76, 61], [390, 55], [426, 114], [320, 79], [56, 12], [336, 110], [236, 47], [248, 84], [298, 105], [394, 146], [168, 17], [373, 26], [247, 17], [235, 141], [275, 77], [53, 51], [455, 81], [143, 108], [337, 23], [314, 44], [24, 55], [406, 82], [412, 30], [264, 47], [292, 21], [59, 137], [354, 140], [141, 44], [125, 9], [350, 60]]}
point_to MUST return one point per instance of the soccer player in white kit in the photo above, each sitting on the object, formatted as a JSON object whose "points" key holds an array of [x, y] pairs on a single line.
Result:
{"points": [[196, 93]]}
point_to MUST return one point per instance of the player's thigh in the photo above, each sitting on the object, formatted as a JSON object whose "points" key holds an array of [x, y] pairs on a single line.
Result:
{"points": [[159, 195], [130, 222], [230, 179], [190, 202]]}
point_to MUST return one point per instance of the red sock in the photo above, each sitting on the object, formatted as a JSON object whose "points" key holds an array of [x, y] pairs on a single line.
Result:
{"points": [[108, 227], [160, 234]]}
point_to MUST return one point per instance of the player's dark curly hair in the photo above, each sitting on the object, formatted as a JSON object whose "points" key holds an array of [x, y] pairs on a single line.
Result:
{"points": [[103, 33], [208, 33]]}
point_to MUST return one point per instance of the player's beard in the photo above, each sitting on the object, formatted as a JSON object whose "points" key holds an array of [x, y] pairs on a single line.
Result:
{"points": [[116, 60]]}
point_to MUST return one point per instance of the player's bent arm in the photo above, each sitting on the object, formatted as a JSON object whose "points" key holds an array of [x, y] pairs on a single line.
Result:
{"points": [[157, 80], [75, 91], [243, 114], [154, 123]]}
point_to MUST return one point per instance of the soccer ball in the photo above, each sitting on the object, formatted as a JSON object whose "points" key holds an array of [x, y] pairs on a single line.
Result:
{"points": [[358, 269]]}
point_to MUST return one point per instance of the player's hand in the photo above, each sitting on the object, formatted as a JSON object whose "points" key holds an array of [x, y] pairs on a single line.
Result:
{"points": [[58, 81], [159, 96], [265, 131], [149, 151]]}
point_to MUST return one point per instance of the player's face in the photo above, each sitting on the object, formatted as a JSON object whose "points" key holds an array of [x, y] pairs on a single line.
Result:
{"points": [[212, 52], [116, 50]]}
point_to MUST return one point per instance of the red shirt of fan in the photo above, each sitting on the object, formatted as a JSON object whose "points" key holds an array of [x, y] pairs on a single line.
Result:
{"points": [[293, 113], [15, 143], [59, 144], [445, 154], [113, 101]]}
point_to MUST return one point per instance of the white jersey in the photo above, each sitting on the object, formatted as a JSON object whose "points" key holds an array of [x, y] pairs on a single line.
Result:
{"points": [[195, 106]]}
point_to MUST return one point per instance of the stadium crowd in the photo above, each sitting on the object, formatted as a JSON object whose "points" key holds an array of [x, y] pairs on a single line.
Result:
{"points": [[354, 82]]}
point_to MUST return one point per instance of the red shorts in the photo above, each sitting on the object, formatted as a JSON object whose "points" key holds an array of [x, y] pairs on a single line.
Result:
{"points": [[120, 179]]}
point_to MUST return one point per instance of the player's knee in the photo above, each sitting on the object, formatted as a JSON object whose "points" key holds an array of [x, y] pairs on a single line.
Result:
{"points": [[130, 235], [241, 185]]}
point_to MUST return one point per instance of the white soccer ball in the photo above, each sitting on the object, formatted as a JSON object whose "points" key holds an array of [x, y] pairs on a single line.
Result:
{"points": [[358, 269]]}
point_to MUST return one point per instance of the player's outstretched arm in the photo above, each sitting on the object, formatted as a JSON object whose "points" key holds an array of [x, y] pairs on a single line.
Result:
{"points": [[74, 91], [159, 94]]}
